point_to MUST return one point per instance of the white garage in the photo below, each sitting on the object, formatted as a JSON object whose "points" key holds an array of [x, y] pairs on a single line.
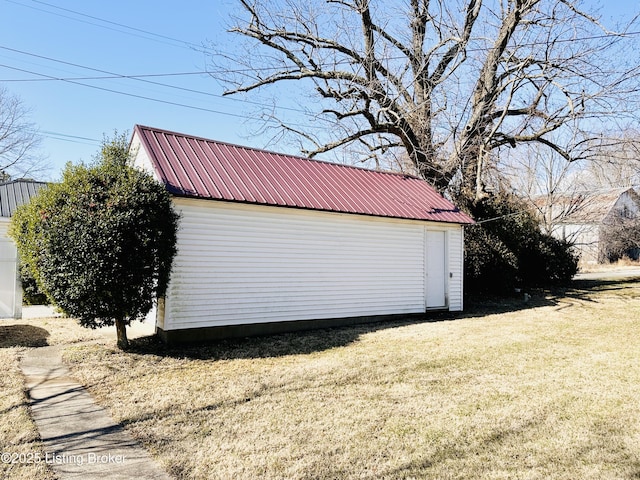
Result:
{"points": [[12, 194], [271, 242]]}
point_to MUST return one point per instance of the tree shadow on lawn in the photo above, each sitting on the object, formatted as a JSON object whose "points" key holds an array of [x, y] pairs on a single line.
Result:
{"points": [[583, 289], [614, 456], [310, 341], [23, 336]]}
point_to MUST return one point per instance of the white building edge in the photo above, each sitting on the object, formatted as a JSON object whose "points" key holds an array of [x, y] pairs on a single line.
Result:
{"points": [[245, 268]]}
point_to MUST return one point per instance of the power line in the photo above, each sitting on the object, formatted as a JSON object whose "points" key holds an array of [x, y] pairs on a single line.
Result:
{"points": [[63, 136], [200, 48], [157, 37], [144, 97], [68, 138], [104, 77], [140, 78]]}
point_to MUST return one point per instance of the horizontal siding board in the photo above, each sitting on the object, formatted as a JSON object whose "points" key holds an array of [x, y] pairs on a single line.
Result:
{"points": [[306, 297], [245, 264], [205, 317], [329, 309]]}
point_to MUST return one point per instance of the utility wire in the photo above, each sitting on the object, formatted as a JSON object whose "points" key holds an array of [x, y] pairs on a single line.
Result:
{"points": [[143, 97], [140, 78], [498, 218], [104, 77], [194, 46], [68, 138], [157, 37]]}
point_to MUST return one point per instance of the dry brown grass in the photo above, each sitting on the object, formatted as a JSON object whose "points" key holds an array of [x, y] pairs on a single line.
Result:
{"points": [[622, 264], [547, 389], [38, 332], [18, 433]]}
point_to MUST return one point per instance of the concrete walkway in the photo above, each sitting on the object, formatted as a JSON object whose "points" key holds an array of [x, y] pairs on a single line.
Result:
{"points": [[80, 439]]}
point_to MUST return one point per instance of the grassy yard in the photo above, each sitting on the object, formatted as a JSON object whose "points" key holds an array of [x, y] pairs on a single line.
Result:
{"points": [[547, 389]]}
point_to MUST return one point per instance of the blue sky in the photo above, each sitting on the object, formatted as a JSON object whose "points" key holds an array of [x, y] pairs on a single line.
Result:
{"points": [[64, 111], [73, 117]]}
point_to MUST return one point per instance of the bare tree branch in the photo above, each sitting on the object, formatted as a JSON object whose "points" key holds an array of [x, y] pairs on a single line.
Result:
{"points": [[19, 139], [455, 83]]}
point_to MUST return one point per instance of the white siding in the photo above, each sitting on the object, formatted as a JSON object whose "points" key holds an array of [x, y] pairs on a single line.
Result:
{"points": [[241, 264], [455, 241], [585, 238], [141, 158], [10, 289]]}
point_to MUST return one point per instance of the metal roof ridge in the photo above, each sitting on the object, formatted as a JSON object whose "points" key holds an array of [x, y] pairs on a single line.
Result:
{"points": [[23, 180], [271, 152]]}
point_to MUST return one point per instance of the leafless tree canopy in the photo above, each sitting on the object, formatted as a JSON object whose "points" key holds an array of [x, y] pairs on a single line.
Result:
{"points": [[18, 139], [620, 237], [449, 82], [616, 165]]}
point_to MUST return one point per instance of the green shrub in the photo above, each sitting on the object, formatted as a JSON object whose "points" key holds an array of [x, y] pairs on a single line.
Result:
{"points": [[506, 248], [100, 244], [31, 294]]}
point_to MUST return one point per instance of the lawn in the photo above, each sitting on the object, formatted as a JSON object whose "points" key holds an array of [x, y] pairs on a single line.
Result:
{"points": [[544, 389]]}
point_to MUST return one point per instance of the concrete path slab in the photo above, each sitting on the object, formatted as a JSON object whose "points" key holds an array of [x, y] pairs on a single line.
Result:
{"points": [[80, 439], [39, 311]]}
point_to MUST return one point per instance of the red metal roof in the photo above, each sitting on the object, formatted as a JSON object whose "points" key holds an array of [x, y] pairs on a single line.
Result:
{"points": [[196, 167]]}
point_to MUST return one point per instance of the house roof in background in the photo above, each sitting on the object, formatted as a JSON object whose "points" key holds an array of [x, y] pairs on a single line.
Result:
{"points": [[16, 193], [202, 168], [586, 207]]}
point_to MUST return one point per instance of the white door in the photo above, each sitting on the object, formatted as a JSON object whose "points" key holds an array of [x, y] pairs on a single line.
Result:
{"points": [[436, 269]]}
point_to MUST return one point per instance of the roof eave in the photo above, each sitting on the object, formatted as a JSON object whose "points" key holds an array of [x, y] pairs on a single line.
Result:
{"points": [[466, 220]]}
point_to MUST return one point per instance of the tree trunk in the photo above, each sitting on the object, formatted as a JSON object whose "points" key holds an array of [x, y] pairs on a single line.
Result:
{"points": [[121, 329]]}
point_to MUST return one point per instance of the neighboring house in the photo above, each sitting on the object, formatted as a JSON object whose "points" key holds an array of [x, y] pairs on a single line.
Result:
{"points": [[271, 242], [580, 218], [12, 195]]}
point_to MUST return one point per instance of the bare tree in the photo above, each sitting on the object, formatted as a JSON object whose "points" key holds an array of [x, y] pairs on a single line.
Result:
{"points": [[19, 139], [616, 165], [620, 238], [547, 183], [451, 83]]}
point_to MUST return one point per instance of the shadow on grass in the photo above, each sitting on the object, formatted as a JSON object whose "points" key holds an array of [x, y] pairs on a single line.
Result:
{"points": [[278, 345], [615, 455], [582, 288], [306, 342], [23, 336]]}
